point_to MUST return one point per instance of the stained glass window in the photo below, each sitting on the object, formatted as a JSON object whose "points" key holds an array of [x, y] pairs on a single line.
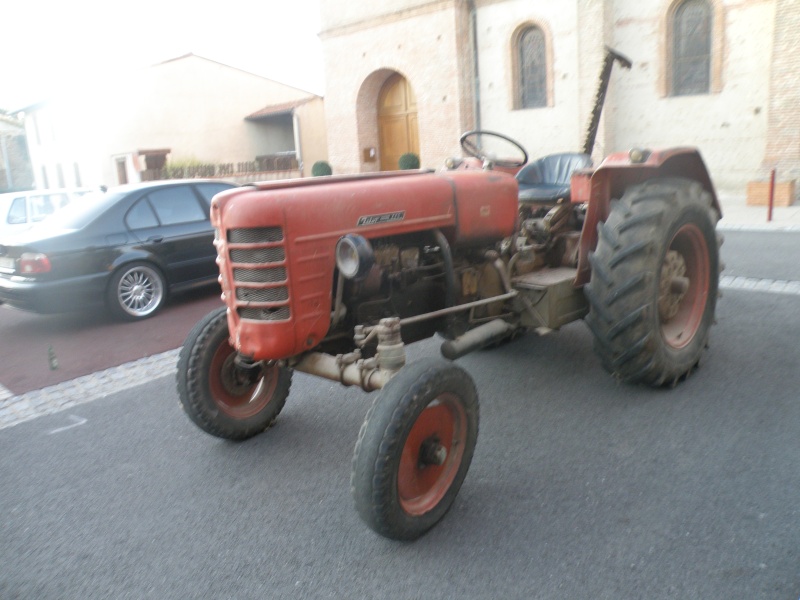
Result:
{"points": [[532, 69], [691, 48]]}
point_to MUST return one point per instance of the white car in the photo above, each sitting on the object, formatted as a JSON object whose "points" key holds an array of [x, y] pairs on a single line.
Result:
{"points": [[21, 210]]}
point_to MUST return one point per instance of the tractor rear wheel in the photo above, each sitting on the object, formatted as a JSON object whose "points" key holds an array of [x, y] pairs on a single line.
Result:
{"points": [[221, 396], [414, 449], [655, 275]]}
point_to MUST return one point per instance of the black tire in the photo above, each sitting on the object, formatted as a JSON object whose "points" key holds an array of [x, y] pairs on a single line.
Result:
{"points": [[136, 291], [655, 276], [220, 397], [414, 449]]}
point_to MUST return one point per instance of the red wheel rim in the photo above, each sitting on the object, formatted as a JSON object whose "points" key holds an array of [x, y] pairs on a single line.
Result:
{"points": [[683, 297], [421, 485], [235, 394]]}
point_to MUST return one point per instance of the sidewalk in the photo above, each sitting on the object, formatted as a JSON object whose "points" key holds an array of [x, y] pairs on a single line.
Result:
{"points": [[736, 216]]}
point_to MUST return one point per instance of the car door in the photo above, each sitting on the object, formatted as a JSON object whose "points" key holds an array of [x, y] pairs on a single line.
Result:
{"points": [[172, 224]]}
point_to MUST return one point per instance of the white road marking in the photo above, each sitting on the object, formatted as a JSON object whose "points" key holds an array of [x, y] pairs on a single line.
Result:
{"points": [[753, 284], [76, 422]]}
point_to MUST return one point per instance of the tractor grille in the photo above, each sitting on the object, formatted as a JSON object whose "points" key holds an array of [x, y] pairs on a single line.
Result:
{"points": [[273, 275], [256, 235], [261, 255], [265, 314], [262, 295], [258, 258]]}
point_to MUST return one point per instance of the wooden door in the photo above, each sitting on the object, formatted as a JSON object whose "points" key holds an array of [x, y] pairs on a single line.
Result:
{"points": [[397, 121]]}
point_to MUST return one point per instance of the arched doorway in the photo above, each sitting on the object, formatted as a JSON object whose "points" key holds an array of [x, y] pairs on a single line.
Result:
{"points": [[398, 132]]}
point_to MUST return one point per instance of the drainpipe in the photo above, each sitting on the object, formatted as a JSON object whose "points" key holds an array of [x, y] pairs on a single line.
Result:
{"points": [[476, 82], [297, 146]]}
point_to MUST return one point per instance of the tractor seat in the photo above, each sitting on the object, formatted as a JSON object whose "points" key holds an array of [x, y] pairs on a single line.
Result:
{"points": [[547, 179]]}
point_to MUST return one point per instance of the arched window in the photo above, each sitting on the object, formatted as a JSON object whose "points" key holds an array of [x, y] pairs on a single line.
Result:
{"points": [[691, 48], [532, 68]]}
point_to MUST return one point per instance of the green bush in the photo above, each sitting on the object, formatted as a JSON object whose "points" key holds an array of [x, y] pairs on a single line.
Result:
{"points": [[408, 161], [320, 168]]}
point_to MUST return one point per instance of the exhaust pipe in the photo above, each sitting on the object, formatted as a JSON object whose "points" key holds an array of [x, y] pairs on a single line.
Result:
{"points": [[485, 334]]}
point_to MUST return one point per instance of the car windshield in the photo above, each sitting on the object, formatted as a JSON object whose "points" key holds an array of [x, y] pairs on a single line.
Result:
{"points": [[76, 215]]}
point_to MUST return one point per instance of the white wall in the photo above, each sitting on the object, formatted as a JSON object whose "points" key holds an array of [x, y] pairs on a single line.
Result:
{"points": [[730, 126], [193, 106]]}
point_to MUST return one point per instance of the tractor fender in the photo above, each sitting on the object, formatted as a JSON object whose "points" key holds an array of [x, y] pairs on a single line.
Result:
{"points": [[617, 173]]}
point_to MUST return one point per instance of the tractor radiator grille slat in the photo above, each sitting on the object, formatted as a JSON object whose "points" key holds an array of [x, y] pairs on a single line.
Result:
{"points": [[278, 294], [258, 255], [274, 275], [255, 235], [265, 314]]}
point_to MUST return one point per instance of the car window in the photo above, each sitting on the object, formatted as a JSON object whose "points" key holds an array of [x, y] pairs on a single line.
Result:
{"points": [[45, 205], [141, 216], [17, 212], [209, 190], [76, 215], [176, 205]]}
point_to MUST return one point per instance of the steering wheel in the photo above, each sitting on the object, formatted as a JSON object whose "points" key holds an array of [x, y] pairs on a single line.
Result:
{"points": [[473, 144]]}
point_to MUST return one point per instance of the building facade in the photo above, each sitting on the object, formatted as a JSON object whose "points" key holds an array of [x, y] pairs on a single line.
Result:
{"points": [[188, 113], [717, 74], [16, 172]]}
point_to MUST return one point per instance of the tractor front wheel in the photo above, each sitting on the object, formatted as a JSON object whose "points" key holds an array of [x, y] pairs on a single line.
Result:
{"points": [[221, 395], [655, 275], [414, 449]]}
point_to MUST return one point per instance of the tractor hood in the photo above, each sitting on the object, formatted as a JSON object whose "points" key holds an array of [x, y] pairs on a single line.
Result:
{"points": [[276, 241]]}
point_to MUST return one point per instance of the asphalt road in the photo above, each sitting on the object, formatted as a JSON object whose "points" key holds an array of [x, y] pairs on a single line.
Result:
{"points": [[580, 487]]}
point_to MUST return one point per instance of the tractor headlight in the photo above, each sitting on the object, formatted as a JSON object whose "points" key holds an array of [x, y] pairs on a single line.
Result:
{"points": [[354, 256], [639, 155]]}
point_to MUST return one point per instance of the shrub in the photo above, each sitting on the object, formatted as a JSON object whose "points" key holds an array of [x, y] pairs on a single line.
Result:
{"points": [[320, 168], [408, 161]]}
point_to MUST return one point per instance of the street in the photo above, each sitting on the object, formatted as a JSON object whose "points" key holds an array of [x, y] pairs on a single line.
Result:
{"points": [[580, 487]]}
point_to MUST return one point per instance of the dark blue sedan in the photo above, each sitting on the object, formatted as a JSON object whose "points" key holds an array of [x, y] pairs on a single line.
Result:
{"points": [[125, 249]]}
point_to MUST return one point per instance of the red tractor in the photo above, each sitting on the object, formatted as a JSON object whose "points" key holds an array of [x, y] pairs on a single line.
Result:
{"points": [[333, 276]]}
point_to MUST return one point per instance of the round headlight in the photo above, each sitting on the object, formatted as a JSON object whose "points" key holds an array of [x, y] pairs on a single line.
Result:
{"points": [[639, 155], [354, 256]]}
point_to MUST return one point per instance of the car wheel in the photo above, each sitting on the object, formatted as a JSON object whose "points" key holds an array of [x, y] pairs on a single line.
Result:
{"points": [[136, 291]]}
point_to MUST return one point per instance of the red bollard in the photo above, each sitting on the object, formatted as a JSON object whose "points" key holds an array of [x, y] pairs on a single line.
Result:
{"points": [[771, 195]]}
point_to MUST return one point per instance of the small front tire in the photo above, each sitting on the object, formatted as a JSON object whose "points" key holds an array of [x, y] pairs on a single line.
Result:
{"points": [[220, 396], [414, 449]]}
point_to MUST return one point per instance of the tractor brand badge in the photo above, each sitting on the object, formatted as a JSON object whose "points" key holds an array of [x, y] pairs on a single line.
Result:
{"points": [[384, 218]]}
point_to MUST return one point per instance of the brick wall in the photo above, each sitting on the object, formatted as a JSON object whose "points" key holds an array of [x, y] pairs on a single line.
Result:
{"points": [[429, 47], [747, 123], [783, 132]]}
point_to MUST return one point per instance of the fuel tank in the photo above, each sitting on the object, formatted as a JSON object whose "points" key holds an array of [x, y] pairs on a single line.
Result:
{"points": [[275, 241]]}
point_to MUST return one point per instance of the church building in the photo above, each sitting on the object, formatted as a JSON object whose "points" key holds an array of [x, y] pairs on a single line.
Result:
{"points": [[413, 75]]}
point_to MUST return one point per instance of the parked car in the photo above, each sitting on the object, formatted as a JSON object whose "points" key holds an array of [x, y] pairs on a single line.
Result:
{"points": [[20, 210], [126, 248]]}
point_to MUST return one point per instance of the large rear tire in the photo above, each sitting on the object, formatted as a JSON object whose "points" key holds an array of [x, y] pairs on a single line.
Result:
{"points": [[655, 276], [220, 396], [414, 449]]}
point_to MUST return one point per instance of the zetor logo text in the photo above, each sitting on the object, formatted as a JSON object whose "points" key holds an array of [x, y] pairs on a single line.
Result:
{"points": [[384, 218]]}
